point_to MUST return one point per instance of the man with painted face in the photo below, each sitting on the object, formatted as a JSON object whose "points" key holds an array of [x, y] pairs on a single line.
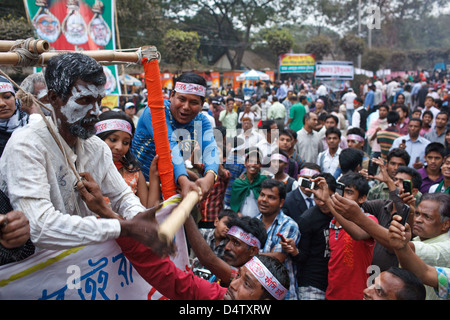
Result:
{"points": [[185, 124], [35, 172]]}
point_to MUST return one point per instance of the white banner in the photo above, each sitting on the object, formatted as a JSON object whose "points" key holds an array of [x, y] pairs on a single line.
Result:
{"points": [[95, 272], [339, 70]]}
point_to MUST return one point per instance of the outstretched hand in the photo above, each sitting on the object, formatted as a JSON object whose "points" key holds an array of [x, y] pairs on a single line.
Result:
{"points": [[145, 229]]}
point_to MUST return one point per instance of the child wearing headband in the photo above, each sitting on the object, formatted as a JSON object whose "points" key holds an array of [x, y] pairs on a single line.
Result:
{"points": [[117, 129]]}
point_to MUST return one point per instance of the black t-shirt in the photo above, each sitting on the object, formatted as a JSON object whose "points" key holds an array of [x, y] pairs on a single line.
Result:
{"points": [[314, 253]]}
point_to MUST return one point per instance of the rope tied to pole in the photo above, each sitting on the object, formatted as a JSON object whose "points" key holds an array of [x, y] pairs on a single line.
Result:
{"points": [[26, 57]]}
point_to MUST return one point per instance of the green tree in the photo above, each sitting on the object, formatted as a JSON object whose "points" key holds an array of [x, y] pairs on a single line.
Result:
{"points": [[416, 56], [231, 22], [351, 46], [180, 46], [398, 60], [320, 46], [140, 23], [13, 28], [373, 59]]}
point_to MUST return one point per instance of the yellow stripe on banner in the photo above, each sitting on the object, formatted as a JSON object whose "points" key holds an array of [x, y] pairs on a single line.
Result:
{"points": [[39, 266]]}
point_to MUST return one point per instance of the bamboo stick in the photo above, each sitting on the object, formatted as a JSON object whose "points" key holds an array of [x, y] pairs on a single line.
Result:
{"points": [[177, 218], [40, 45]]}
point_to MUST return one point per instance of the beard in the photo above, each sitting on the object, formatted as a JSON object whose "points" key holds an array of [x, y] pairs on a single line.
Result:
{"points": [[84, 128]]}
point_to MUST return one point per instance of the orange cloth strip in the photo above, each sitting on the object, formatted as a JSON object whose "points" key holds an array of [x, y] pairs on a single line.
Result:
{"points": [[156, 104]]}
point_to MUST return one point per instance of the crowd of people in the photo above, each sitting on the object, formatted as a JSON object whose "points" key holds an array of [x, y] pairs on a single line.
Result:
{"points": [[334, 196]]}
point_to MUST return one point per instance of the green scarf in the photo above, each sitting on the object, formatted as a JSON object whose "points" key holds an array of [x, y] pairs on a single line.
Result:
{"points": [[440, 186], [241, 189]]}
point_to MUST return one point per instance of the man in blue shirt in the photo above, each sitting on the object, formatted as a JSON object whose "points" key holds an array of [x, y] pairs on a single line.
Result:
{"points": [[369, 99], [185, 125], [270, 201]]}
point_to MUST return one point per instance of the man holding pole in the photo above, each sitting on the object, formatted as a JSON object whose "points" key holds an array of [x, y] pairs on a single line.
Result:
{"points": [[38, 170], [185, 124]]}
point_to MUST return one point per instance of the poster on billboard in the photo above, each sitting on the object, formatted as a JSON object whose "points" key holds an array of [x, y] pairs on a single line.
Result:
{"points": [[77, 25], [297, 63], [334, 70]]}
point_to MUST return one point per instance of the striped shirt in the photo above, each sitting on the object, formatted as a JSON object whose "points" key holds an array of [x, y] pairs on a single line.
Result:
{"points": [[385, 139], [289, 229], [443, 289]]}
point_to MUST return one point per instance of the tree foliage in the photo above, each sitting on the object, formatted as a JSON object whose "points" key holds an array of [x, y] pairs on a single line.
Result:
{"points": [[180, 46], [279, 40], [13, 28], [351, 46], [320, 46]]}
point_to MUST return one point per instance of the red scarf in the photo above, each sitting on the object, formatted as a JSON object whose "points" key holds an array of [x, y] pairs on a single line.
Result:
{"points": [[118, 164]]}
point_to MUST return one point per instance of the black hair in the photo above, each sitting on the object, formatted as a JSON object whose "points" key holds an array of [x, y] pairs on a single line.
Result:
{"points": [[293, 132], [329, 115], [250, 225], [63, 70], [358, 131], [383, 106], [413, 288], [357, 181], [129, 161], [399, 153], [419, 120], [284, 132], [428, 112], [332, 130], [392, 117], [435, 147], [416, 178], [403, 107], [350, 158], [278, 270], [267, 123], [331, 181], [272, 183], [190, 77], [227, 213], [249, 152], [442, 112]]}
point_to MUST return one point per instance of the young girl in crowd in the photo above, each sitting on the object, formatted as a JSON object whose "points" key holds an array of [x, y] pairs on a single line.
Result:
{"points": [[116, 128]]}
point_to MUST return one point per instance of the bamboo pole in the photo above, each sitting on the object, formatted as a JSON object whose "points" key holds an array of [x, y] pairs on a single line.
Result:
{"points": [[178, 217], [34, 46], [102, 56]]}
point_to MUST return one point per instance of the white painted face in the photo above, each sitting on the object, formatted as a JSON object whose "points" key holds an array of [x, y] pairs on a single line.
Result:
{"points": [[84, 99]]}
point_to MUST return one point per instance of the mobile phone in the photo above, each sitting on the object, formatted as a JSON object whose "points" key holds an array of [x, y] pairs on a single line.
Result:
{"points": [[407, 186], [418, 159], [404, 215], [373, 168], [340, 188], [281, 236], [306, 183]]}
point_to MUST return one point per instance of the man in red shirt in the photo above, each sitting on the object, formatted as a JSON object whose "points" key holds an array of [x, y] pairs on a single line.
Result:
{"points": [[351, 248], [262, 277]]}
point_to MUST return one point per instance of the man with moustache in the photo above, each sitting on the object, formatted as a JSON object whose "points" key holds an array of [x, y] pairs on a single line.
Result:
{"points": [[36, 176], [245, 237]]}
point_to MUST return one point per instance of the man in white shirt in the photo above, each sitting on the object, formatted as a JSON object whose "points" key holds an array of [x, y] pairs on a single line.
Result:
{"points": [[348, 99], [249, 135], [309, 144], [328, 160], [36, 176]]}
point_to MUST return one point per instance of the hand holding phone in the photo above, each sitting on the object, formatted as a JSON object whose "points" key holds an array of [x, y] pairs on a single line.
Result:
{"points": [[282, 237], [407, 186]]}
